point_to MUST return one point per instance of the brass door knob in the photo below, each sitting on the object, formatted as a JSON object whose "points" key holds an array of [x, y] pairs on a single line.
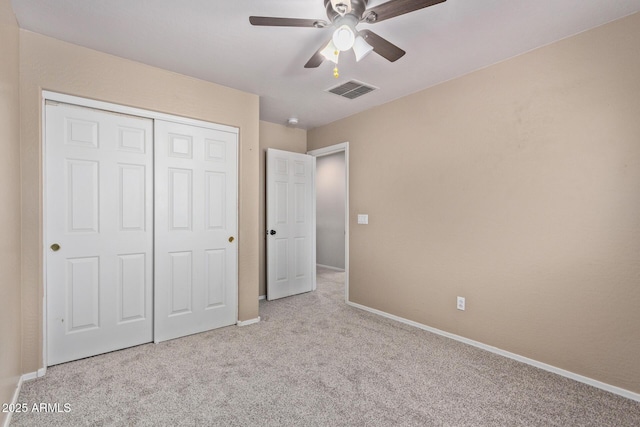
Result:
{"points": [[55, 247], [231, 239]]}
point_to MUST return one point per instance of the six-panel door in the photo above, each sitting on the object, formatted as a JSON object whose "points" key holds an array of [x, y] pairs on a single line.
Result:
{"points": [[291, 261], [196, 247], [99, 231]]}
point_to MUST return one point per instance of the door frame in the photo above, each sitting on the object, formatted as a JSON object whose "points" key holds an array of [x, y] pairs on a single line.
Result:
{"points": [[325, 151], [117, 109]]}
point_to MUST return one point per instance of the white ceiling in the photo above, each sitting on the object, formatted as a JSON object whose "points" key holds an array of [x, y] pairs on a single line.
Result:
{"points": [[213, 40]]}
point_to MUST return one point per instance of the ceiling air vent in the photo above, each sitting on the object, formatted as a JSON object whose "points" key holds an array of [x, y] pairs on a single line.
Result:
{"points": [[352, 89]]}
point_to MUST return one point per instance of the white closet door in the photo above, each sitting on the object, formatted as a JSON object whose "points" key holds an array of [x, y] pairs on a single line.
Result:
{"points": [[196, 246], [99, 210]]}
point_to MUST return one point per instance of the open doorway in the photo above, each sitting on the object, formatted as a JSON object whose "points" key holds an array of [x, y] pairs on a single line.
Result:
{"points": [[332, 210]]}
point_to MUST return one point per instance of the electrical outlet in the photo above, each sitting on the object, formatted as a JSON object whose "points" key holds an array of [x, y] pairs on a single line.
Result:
{"points": [[460, 304]]}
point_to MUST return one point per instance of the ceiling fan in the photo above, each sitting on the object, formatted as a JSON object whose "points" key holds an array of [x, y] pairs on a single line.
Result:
{"points": [[344, 16]]}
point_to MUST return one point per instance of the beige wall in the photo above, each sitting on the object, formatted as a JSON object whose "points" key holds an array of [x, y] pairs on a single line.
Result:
{"points": [[517, 187], [53, 65], [330, 206], [282, 138], [10, 356]]}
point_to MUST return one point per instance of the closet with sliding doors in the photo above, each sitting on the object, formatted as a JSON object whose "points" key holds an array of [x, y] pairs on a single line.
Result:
{"points": [[140, 227]]}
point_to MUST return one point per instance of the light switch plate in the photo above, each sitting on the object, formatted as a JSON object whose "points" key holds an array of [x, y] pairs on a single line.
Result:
{"points": [[363, 219]]}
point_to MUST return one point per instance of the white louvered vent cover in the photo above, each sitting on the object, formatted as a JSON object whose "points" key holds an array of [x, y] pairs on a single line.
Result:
{"points": [[352, 89]]}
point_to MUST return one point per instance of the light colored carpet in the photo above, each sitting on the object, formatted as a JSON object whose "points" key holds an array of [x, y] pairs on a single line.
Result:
{"points": [[314, 361]]}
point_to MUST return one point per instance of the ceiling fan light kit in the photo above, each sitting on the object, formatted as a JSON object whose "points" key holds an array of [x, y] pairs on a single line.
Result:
{"points": [[331, 52], [344, 16], [361, 48], [343, 38]]}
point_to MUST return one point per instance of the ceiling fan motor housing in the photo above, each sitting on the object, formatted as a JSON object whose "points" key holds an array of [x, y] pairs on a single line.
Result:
{"points": [[357, 9]]}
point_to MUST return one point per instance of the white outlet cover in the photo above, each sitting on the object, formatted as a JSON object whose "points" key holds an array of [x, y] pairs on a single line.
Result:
{"points": [[460, 305], [363, 219]]}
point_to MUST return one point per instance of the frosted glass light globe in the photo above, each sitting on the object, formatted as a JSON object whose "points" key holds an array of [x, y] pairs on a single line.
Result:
{"points": [[343, 38]]}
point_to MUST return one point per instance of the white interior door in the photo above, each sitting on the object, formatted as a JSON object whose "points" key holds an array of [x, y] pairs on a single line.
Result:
{"points": [[196, 246], [291, 260], [99, 210]]}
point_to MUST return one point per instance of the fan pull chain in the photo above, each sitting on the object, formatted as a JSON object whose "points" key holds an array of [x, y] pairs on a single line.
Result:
{"points": [[335, 70]]}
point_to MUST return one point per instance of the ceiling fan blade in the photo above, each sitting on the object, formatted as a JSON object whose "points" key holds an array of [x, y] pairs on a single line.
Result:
{"points": [[394, 8], [382, 47], [316, 59], [267, 21]]}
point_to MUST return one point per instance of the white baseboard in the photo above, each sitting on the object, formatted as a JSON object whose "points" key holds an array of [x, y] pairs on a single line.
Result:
{"points": [[261, 297], [33, 375], [248, 322], [26, 377], [330, 267], [14, 400], [550, 368]]}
